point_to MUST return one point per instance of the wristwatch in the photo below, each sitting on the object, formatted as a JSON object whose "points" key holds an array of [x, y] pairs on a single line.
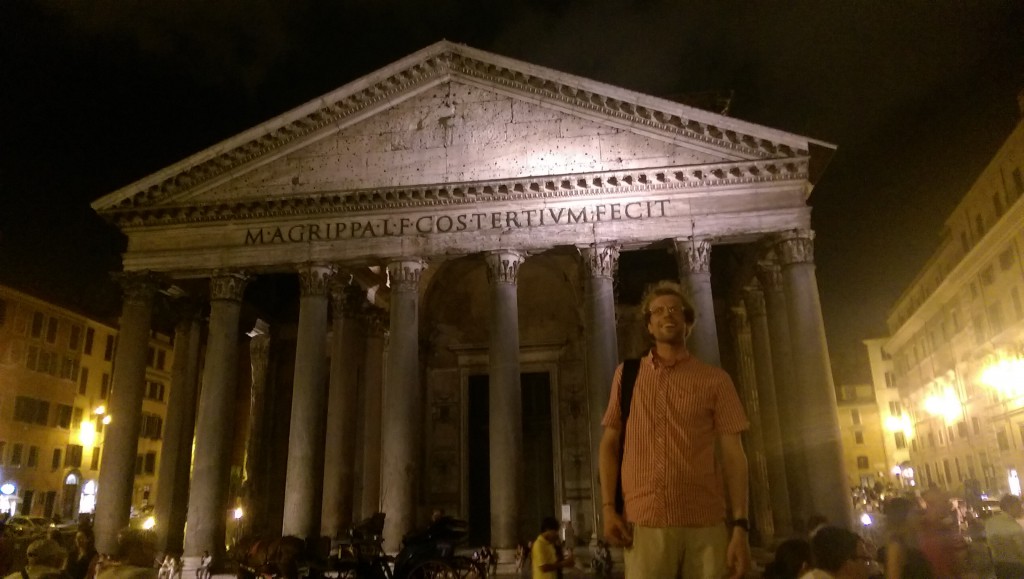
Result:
{"points": [[741, 523]]}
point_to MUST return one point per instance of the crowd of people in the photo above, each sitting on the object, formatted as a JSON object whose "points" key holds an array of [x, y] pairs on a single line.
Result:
{"points": [[47, 558]]}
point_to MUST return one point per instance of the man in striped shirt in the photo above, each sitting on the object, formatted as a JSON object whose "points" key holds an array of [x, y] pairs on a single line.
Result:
{"points": [[674, 521]]}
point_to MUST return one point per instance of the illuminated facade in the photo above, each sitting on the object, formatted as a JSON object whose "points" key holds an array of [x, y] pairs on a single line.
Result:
{"points": [[498, 221], [863, 435], [56, 369], [897, 426], [957, 340]]}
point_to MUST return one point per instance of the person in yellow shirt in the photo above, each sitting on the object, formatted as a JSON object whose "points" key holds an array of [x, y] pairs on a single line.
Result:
{"points": [[546, 560]]}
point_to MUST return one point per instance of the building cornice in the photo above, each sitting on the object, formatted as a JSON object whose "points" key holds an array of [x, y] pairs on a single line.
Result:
{"points": [[716, 175]]}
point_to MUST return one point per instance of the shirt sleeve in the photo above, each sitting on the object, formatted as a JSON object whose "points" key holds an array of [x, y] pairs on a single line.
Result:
{"points": [[730, 418], [613, 414]]}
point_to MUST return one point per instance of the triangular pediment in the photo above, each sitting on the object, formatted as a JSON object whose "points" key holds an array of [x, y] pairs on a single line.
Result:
{"points": [[451, 114]]}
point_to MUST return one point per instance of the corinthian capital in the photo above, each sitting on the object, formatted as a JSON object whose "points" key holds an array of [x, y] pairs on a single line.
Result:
{"points": [[315, 278], [228, 285], [769, 275], [693, 255], [795, 246], [405, 274], [602, 259], [138, 287], [503, 266]]}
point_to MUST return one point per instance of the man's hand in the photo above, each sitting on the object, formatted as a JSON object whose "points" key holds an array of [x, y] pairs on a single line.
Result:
{"points": [[616, 530], [737, 556]]}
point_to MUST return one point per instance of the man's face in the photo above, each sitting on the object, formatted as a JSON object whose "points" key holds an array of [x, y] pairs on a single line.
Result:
{"points": [[667, 322]]}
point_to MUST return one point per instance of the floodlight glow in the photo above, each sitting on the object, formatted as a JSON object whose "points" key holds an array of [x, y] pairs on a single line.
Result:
{"points": [[1005, 376], [238, 513], [87, 433], [896, 470], [865, 520], [101, 409], [945, 405], [106, 419], [1014, 482], [149, 523]]}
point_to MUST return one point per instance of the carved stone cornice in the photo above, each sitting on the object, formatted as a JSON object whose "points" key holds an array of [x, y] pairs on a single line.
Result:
{"points": [[503, 266], [315, 279], [405, 274], [138, 287], [795, 246], [601, 260], [753, 299], [693, 256], [467, 192], [228, 285], [769, 275]]}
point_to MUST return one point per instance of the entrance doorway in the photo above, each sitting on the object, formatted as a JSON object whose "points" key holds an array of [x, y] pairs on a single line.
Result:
{"points": [[538, 490]]}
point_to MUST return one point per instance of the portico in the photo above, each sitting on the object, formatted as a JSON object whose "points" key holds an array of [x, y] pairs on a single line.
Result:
{"points": [[485, 211]]}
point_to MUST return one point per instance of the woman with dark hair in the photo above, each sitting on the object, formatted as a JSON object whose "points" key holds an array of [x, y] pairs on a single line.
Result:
{"points": [[81, 564], [792, 559]]}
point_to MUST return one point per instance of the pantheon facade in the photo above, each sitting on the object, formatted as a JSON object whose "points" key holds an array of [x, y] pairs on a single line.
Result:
{"points": [[419, 286]]}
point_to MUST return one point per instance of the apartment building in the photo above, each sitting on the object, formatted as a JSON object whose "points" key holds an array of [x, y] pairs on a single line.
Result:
{"points": [[957, 338], [55, 377], [861, 428]]}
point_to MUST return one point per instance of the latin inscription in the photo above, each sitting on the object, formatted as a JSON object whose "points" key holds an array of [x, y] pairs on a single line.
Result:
{"points": [[455, 223]]}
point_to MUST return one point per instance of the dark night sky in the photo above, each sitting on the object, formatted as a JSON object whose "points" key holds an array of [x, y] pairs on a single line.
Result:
{"points": [[917, 96]]}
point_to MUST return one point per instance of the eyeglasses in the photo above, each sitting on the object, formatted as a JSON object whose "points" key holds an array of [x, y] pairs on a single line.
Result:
{"points": [[665, 310]]}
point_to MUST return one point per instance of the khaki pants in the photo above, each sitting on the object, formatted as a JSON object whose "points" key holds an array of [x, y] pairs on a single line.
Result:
{"points": [[670, 552]]}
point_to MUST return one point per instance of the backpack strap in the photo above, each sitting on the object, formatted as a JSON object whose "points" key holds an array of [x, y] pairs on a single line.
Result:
{"points": [[630, 370]]}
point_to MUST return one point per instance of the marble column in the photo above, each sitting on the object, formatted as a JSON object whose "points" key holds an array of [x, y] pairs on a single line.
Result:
{"points": [[373, 385], [787, 394], [771, 431], [694, 260], [339, 459], [255, 486], [506, 402], [121, 439], [179, 427], [402, 415], [211, 467], [600, 260], [303, 493], [817, 424], [746, 381]]}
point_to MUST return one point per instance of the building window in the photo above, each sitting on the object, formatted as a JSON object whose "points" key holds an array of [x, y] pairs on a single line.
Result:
{"points": [[862, 463], [855, 416], [161, 359], [155, 391], [858, 437], [55, 463], [900, 439], [37, 325], [108, 350], [1018, 183], [76, 417], [51, 331], [152, 426], [995, 318], [94, 464], [961, 429], [62, 417], [1018, 308], [150, 466], [890, 380], [90, 336], [83, 381], [1002, 441], [987, 276], [976, 424], [105, 386], [31, 410], [33, 457], [979, 225], [73, 456], [17, 449], [965, 244], [895, 408], [997, 204], [949, 433], [945, 469]]}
